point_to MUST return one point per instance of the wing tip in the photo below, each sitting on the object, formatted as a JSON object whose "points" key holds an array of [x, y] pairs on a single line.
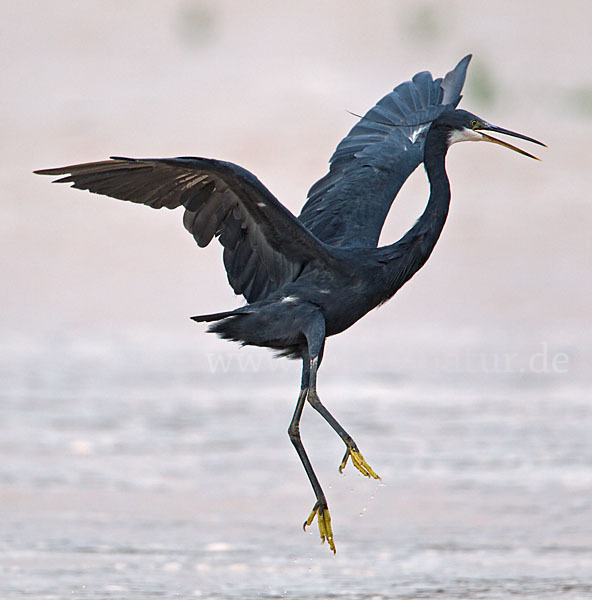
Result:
{"points": [[467, 58], [53, 171], [71, 170], [453, 82]]}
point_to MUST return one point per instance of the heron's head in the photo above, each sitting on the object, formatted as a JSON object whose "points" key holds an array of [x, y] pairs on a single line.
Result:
{"points": [[463, 126]]}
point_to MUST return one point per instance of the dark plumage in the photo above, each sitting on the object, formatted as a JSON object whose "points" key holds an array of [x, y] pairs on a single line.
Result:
{"points": [[310, 277]]}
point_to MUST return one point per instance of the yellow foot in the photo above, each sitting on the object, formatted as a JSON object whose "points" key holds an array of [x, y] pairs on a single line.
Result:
{"points": [[324, 521], [359, 463]]}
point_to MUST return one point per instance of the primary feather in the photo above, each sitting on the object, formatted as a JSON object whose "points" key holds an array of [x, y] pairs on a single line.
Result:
{"points": [[265, 245], [349, 205]]}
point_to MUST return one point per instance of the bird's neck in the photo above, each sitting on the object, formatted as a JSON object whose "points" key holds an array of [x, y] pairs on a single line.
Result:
{"points": [[406, 256]]}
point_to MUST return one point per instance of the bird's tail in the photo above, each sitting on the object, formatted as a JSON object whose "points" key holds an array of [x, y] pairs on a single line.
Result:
{"points": [[217, 316]]}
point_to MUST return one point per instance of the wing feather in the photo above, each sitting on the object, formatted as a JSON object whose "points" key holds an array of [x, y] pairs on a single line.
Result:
{"points": [[348, 206], [265, 246]]}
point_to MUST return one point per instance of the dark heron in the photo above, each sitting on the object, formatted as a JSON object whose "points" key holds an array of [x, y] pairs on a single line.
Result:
{"points": [[312, 276]]}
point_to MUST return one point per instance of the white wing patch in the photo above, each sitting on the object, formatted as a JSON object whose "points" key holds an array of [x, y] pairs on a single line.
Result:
{"points": [[415, 133]]}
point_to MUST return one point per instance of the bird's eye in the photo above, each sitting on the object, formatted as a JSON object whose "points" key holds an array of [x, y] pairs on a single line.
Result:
{"points": [[474, 124]]}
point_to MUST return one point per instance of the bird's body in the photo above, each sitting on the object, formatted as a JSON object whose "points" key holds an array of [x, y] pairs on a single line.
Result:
{"points": [[361, 279], [342, 297], [314, 276]]}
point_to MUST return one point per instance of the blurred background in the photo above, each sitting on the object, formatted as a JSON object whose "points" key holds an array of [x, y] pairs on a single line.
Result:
{"points": [[140, 456]]}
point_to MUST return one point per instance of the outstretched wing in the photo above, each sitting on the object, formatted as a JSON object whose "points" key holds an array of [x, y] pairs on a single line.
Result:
{"points": [[349, 205], [265, 245]]}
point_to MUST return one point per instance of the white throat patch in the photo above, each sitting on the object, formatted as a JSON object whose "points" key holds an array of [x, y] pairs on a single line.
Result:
{"points": [[464, 135]]}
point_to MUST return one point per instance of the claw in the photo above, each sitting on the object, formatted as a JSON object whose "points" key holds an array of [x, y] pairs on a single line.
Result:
{"points": [[359, 463], [324, 521]]}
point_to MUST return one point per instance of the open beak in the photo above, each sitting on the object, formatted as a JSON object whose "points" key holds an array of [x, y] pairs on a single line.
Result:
{"points": [[489, 138]]}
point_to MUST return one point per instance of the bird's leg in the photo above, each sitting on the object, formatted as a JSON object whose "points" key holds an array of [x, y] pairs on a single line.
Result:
{"points": [[351, 447], [320, 509]]}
